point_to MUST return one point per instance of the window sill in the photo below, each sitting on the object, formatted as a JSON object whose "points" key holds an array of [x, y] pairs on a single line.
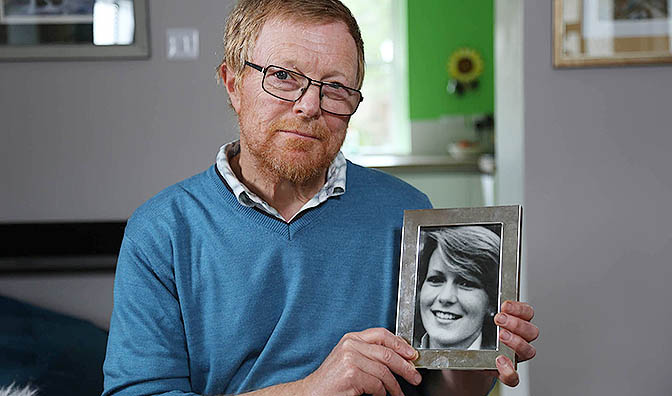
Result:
{"points": [[436, 163]]}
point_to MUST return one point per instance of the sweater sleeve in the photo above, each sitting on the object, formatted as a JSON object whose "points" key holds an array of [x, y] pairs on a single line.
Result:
{"points": [[146, 350]]}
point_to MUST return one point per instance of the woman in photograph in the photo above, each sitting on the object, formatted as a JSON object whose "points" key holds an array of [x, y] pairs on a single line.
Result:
{"points": [[458, 296]]}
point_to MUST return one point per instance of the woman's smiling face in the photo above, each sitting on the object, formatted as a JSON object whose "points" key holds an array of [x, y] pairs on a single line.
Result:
{"points": [[452, 308]]}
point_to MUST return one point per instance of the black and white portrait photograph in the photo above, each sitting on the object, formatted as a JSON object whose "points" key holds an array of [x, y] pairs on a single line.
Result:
{"points": [[603, 19], [458, 283], [640, 9], [457, 268]]}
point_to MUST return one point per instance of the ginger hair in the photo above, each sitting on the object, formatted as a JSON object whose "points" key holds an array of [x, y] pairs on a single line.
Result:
{"points": [[249, 16]]}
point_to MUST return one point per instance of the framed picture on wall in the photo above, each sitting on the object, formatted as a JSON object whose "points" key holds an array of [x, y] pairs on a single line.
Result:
{"points": [[611, 32], [457, 267], [73, 29]]}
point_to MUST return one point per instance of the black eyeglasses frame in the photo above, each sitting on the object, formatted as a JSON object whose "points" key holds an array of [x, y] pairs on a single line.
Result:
{"points": [[311, 81]]}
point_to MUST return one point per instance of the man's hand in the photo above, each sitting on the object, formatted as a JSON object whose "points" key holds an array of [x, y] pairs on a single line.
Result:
{"points": [[364, 363], [516, 332]]}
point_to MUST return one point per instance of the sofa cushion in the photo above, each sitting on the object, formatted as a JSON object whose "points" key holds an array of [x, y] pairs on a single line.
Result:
{"points": [[58, 354]]}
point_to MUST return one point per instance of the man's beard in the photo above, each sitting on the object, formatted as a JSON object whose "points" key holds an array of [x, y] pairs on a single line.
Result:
{"points": [[296, 160]]}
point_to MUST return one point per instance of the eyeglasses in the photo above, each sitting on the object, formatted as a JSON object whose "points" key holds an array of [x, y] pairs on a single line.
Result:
{"points": [[289, 85]]}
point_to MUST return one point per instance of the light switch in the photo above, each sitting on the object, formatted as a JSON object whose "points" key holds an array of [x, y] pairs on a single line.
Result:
{"points": [[181, 44]]}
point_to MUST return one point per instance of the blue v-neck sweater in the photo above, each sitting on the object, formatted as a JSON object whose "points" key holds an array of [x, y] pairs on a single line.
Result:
{"points": [[212, 297]]}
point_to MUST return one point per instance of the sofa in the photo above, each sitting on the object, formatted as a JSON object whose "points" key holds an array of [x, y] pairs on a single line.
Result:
{"points": [[56, 354]]}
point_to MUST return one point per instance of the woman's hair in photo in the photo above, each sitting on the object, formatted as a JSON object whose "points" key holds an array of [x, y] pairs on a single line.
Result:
{"points": [[471, 252]]}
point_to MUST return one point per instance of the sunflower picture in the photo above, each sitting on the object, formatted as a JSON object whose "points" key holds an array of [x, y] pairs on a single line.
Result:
{"points": [[465, 66]]}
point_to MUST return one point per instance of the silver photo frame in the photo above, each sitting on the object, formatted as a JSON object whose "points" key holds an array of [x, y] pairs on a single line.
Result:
{"points": [[457, 267]]}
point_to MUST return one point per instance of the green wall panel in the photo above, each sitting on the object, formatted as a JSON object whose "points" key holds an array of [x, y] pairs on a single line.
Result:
{"points": [[435, 29]]}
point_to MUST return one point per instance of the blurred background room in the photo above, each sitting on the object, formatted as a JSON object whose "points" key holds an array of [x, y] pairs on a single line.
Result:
{"points": [[488, 102]]}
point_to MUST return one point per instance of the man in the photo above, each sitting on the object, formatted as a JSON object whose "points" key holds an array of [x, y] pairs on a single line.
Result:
{"points": [[275, 271]]}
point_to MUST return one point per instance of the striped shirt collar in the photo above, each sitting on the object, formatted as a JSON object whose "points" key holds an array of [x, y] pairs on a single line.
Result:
{"points": [[334, 186]]}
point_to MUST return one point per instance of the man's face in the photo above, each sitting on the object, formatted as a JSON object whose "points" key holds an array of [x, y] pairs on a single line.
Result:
{"points": [[295, 141]]}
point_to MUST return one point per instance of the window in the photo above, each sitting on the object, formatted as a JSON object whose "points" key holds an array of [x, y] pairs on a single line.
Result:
{"points": [[381, 124]]}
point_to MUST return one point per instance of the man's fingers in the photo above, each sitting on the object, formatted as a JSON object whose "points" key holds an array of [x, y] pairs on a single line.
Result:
{"points": [[385, 338], [523, 349], [388, 359], [384, 375], [518, 326], [507, 375], [368, 384], [519, 309]]}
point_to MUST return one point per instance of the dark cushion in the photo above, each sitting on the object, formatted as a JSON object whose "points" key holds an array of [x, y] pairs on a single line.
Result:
{"points": [[58, 354]]}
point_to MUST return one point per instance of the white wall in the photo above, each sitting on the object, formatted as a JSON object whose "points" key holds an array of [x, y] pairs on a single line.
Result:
{"points": [[84, 295], [93, 140], [509, 116], [598, 189]]}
